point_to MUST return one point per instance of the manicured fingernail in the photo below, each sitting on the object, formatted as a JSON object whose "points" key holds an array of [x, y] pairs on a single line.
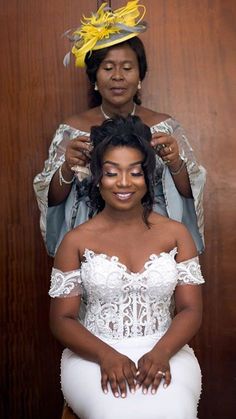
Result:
{"points": [[116, 394], [123, 395], [132, 390], [153, 391], [144, 391], [165, 385], [137, 373], [137, 386], [105, 391]]}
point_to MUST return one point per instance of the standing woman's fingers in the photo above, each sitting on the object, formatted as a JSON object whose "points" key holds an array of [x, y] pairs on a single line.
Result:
{"points": [[78, 152]]}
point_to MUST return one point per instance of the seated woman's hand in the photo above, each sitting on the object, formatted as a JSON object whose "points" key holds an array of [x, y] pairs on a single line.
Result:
{"points": [[166, 147], [78, 152], [152, 368], [118, 371]]}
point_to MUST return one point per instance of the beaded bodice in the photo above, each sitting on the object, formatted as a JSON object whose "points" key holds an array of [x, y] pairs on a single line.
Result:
{"points": [[123, 304]]}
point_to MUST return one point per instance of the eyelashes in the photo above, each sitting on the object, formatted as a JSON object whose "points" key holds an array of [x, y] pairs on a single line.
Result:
{"points": [[111, 68], [112, 174]]}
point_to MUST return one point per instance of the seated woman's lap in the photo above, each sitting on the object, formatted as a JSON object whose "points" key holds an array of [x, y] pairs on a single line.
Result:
{"points": [[81, 386]]}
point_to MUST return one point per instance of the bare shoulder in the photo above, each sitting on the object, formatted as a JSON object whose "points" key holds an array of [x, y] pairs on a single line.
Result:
{"points": [[85, 232], [173, 234], [70, 251], [151, 117], [166, 225], [177, 229], [85, 120], [184, 242]]}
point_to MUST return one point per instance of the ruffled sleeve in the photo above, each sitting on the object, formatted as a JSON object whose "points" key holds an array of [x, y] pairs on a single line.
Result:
{"points": [[65, 284], [189, 272], [186, 210], [53, 220]]}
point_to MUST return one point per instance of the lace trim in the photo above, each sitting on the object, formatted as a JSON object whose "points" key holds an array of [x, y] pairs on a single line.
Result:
{"points": [[123, 304], [90, 254], [189, 272], [65, 284]]}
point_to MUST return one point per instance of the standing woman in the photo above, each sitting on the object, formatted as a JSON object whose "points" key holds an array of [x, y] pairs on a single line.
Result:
{"points": [[114, 57]]}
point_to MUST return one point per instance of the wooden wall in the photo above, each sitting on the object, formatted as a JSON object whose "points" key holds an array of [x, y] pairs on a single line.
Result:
{"points": [[191, 54]]}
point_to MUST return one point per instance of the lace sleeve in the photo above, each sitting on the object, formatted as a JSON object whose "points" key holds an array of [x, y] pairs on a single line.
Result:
{"points": [[65, 284], [196, 172], [56, 157], [42, 180], [189, 272]]}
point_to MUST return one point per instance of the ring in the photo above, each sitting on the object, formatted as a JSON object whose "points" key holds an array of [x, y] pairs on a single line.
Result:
{"points": [[163, 374]]}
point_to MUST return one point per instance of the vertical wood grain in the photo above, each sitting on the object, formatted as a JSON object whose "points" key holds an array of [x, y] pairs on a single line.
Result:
{"points": [[38, 93]]}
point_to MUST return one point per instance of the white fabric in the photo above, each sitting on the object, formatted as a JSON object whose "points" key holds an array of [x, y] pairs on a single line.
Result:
{"points": [[65, 284], [131, 311], [81, 386]]}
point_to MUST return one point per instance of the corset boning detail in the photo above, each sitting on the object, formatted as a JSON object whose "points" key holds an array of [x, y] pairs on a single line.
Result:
{"points": [[122, 304]]}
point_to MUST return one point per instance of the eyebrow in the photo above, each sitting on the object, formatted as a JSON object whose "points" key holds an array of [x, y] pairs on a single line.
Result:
{"points": [[117, 164], [107, 61]]}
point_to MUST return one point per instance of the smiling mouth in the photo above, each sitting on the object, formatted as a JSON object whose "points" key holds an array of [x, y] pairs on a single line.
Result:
{"points": [[123, 196]]}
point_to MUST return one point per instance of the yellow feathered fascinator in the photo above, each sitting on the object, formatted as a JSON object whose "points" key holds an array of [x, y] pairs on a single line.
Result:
{"points": [[104, 29]]}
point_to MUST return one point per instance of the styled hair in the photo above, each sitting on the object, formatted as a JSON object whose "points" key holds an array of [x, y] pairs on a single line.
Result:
{"points": [[122, 132], [94, 59]]}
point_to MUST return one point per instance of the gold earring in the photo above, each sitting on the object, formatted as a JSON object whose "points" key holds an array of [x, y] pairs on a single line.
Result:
{"points": [[96, 86], [139, 85]]}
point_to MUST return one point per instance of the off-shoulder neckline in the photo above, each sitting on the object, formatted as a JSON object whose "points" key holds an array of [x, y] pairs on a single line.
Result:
{"points": [[115, 259]]}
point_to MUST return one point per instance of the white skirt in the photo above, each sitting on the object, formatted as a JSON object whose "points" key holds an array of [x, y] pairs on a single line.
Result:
{"points": [[81, 386]]}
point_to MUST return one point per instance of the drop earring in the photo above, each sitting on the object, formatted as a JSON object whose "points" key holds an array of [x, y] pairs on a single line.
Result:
{"points": [[139, 85], [96, 87]]}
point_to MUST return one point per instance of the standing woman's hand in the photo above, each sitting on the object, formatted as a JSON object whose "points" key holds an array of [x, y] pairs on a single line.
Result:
{"points": [[77, 152], [153, 367], [118, 370], [166, 147]]}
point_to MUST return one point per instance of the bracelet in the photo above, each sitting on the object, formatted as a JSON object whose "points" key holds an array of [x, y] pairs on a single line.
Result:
{"points": [[61, 178], [177, 172]]}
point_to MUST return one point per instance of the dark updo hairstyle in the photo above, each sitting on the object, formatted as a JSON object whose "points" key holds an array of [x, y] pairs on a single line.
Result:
{"points": [[94, 59], [121, 132]]}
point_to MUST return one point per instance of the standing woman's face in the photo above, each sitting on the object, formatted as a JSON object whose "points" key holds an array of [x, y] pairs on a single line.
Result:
{"points": [[118, 76]]}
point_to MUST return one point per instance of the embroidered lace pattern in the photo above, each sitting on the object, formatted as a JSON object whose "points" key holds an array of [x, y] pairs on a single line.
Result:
{"points": [[189, 272], [65, 284], [123, 304]]}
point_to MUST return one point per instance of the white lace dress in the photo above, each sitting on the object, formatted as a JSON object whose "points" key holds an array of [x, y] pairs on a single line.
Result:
{"points": [[129, 311]]}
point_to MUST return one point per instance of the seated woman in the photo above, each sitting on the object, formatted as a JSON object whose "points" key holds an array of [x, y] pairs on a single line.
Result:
{"points": [[130, 357]]}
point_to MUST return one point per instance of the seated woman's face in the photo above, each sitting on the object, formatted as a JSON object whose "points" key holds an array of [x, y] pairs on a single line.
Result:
{"points": [[118, 75], [123, 185]]}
